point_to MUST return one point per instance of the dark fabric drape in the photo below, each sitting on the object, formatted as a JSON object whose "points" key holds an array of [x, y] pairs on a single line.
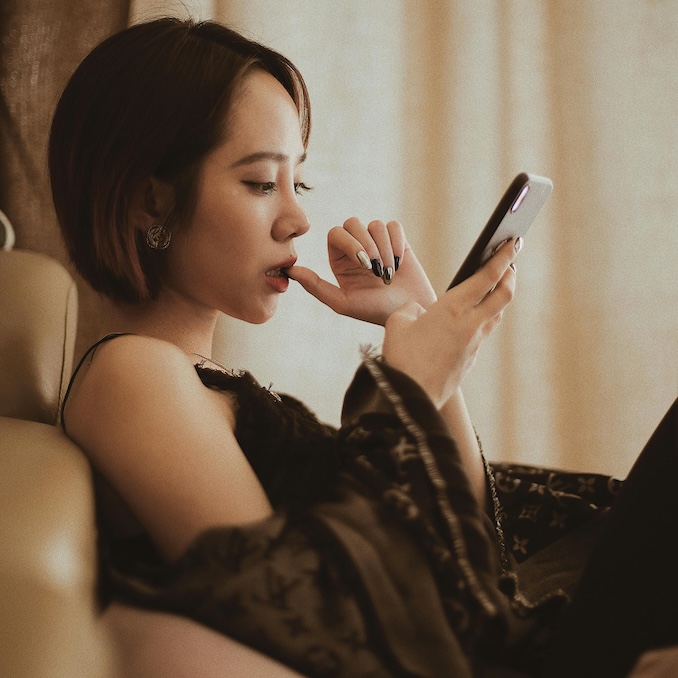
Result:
{"points": [[41, 42]]}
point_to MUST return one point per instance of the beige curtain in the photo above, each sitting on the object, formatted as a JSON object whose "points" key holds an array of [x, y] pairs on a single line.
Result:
{"points": [[424, 110]]}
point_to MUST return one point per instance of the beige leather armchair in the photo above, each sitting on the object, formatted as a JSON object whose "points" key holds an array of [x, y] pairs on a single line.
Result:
{"points": [[48, 621]]}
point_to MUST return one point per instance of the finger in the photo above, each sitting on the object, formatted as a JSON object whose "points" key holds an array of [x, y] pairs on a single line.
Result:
{"points": [[341, 243], [380, 235], [323, 291], [397, 235], [486, 279], [355, 228], [494, 303]]}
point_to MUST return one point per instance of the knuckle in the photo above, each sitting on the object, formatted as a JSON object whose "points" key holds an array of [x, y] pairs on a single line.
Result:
{"points": [[352, 225], [508, 292], [376, 226], [505, 292]]}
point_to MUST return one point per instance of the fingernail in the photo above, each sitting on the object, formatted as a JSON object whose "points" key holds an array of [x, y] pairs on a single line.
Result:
{"points": [[397, 262], [364, 259], [519, 245], [377, 268], [388, 275]]}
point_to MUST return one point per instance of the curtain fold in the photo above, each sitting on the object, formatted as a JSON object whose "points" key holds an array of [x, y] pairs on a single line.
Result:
{"points": [[41, 42]]}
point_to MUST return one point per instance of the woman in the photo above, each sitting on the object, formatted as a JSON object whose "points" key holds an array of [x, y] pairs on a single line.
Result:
{"points": [[176, 158]]}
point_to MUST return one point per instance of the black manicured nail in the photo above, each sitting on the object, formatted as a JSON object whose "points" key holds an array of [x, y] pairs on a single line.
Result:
{"points": [[388, 275], [397, 262], [377, 268]]}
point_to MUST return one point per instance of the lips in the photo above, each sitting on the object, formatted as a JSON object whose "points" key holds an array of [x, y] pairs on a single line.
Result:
{"points": [[277, 276], [280, 271]]}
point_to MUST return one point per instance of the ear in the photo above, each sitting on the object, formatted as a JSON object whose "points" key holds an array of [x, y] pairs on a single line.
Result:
{"points": [[151, 203]]}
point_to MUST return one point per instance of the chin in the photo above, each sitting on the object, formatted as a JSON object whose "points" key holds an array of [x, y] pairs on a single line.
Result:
{"points": [[260, 321], [258, 317]]}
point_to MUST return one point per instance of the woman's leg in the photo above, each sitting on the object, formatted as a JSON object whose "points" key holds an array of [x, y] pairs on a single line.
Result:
{"points": [[627, 599], [150, 644]]}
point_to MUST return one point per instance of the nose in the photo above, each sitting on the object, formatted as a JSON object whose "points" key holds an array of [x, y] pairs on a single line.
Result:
{"points": [[292, 223]]}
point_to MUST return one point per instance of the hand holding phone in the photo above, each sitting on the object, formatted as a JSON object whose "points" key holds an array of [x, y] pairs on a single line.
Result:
{"points": [[512, 217]]}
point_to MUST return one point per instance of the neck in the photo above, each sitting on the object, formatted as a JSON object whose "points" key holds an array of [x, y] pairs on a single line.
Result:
{"points": [[168, 318]]}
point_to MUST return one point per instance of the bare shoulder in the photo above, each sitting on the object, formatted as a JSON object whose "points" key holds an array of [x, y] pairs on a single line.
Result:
{"points": [[163, 441], [133, 360], [136, 376]]}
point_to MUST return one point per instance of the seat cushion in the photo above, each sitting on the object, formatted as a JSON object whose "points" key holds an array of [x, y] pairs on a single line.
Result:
{"points": [[48, 612]]}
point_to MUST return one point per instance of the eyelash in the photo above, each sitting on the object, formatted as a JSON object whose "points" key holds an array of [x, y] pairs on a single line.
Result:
{"points": [[269, 187], [300, 187]]}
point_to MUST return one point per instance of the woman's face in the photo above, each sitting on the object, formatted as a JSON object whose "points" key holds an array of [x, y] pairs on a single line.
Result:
{"points": [[247, 213]]}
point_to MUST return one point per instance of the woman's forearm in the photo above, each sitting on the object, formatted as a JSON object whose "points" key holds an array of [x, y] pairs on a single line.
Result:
{"points": [[456, 415]]}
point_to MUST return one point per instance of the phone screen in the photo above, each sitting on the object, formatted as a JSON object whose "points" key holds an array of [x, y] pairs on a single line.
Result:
{"points": [[513, 216]]}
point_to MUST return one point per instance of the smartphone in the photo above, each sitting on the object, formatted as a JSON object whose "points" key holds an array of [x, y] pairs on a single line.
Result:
{"points": [[514, 214]]}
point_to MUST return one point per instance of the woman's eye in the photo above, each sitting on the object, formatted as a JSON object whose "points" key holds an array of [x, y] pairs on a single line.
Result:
{"points": [[269, 187], [265, 187], [300, 187]]}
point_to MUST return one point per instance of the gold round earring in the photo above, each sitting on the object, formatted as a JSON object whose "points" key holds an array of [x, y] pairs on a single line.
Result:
{"points": [[158, 237]]}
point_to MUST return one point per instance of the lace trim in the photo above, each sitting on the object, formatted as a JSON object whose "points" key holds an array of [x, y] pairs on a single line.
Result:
{"points": [[232, 373], [371, 362], [496, 510]]}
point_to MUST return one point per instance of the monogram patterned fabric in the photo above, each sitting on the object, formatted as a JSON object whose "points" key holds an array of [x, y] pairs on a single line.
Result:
{"points": [[378, 560], [539, 506]]}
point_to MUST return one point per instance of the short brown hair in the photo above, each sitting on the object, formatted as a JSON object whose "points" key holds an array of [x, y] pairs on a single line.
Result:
{"points": [[149, 101]]}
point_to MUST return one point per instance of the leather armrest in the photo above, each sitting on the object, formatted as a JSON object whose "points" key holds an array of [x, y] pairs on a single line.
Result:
{"points": [[48, 616], [38, 307]]}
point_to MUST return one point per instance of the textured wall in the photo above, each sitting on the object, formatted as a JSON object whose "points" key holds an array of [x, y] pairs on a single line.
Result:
{"points": [[41, 42]]}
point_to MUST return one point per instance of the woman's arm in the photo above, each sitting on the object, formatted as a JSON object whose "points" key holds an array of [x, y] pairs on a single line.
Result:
{"points": [[457, 418], [438, 347], [164, 442]]}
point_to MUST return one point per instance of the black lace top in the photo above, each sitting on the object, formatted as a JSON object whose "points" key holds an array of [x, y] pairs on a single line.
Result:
{"points": [[292, 453], [376, 539]]}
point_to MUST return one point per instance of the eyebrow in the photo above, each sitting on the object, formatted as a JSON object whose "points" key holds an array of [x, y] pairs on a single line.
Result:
{"points": [[266, 155]]}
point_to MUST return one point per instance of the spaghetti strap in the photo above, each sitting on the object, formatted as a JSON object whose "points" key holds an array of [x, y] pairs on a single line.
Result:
{"points": [[88, 352]]}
